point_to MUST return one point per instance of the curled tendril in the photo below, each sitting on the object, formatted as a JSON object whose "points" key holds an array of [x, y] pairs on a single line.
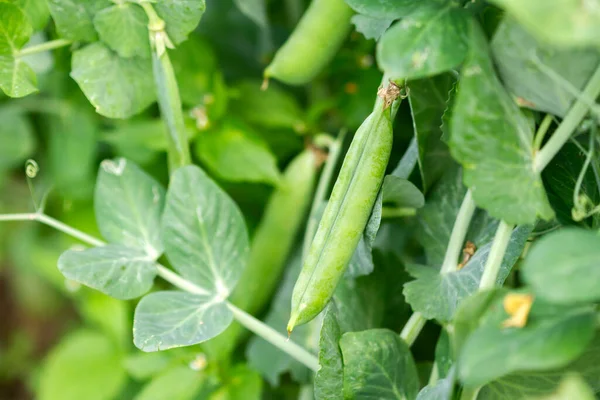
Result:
{"points": [[31, 168]]}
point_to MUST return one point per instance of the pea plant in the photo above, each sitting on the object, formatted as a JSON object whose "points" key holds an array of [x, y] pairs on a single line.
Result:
{"points": [[443, 244]]}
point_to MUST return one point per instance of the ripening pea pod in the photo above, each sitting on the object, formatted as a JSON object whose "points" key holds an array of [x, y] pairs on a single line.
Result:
{"points": [[315, 41], [271, 245], [347, 212]]}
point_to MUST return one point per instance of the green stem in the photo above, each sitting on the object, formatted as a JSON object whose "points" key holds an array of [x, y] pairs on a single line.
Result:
{"points": [[413, 328], [259, 328], [321, 193], [459, 232], [541, 132], [50, 45], [564, 131], [470, 393], [415, 324], [167, 91], [275, 338], [494, 260], [390, 212]]}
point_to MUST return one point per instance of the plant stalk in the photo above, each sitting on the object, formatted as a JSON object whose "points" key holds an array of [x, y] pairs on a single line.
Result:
{"points": [[494, 260], [413, 328], [50, 45], [459, 232], [275, 338], [564, 131]]}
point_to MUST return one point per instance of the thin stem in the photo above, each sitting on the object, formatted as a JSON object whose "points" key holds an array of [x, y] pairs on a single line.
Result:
{"points": [[413, 328], [178, 281], [541, 132], [321, 192], [459, 231], [56, 224], [390, 212], [494, 260], [275, 338], [18, 217], [564, 131], [50, 45], [588, 159]]}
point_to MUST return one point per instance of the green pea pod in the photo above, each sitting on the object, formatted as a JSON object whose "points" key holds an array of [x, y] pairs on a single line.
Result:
{"points": [[315, 41], [271, 245], [346, 214]]}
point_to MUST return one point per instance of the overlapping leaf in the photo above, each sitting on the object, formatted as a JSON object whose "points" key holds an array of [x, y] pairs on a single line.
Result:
{"points": [[493, 141], [124, 28]]}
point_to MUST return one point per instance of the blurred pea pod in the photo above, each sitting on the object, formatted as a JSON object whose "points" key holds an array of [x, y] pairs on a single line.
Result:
{"points": [[271, 245], [347, 212], [315, 41]]}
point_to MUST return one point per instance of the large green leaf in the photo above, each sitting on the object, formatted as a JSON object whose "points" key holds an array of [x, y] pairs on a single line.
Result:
{"points": [[17, 141], [552, 338], [401, 193], [564, 22], [17, 79], [572, 387], [116, 270], [328, 382], [116, 87], [527, 385], [378, 365], [204, 232], [66, 373], [392, 9], [180, 16], [437, 295], [370, 27], [128, 205], [233, 152], [541, 76], [493, 140], [178, 383], [428, 99], [168, 319], [440, 390], [36, 10], [124, 28], [425, 43], [73, 18], [563, 266]]}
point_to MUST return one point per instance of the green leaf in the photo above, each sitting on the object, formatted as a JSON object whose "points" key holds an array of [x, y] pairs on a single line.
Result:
{"points": [[142, 366], [177, 383], [168, 319], [67, 372], [565, 23], [36, 10], [370, 27], [181, 17], [265, 358], [72, 150], [378, 365], [360, 303], [272, 108], [498, 168], [116, 87], [526, 385], [428, 99], [17, 79], [437, 295], [243, 384], [441, 390], [401, 193], [256, 10], [234, 153], [572, 387], [73, 18], [118, 271], [17, 141], [552, 338], [124, 28], [361, 262], [328, 382], [391, 8], [425, 43], [128, 205], [542, 77], [204, 232], [562, 267]]}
